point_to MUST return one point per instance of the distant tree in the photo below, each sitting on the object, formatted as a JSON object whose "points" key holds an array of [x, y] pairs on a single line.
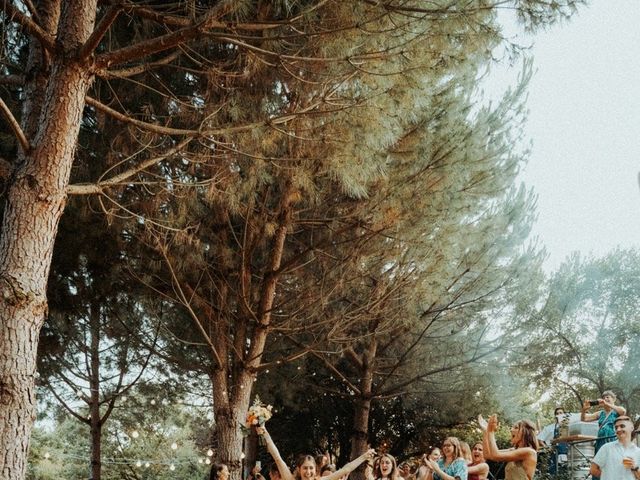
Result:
{"points": [[89, 353], [150, 436], [585, 338]]}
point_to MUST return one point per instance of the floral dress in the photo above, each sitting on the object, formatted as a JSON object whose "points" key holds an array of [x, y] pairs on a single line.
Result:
{"points": [[457, 469]]}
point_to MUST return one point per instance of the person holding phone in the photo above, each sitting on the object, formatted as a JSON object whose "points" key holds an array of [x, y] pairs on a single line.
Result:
{"points": [[606, 417], [255, 474]]}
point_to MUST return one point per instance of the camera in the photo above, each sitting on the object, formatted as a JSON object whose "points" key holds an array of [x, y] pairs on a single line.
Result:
{"points": [[593, 403]]}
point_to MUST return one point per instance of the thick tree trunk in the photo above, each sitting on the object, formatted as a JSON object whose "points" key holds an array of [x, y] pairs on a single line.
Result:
{"points": [[360, 439], [231, 404], [34, 203]]}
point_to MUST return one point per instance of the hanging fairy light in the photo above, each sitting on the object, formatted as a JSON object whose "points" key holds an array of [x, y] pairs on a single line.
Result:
{"points": [[207, 461], [138, 464], [47, 455], [209, 453], [147, 465], [174, 446], [242, 456], [135, 434], [172, 467]]}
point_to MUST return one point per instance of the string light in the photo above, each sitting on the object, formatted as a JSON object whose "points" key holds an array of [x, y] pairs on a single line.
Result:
{"points": [[172, 467], [209, 453], [174, 446], [135, 434], [47, 455]]}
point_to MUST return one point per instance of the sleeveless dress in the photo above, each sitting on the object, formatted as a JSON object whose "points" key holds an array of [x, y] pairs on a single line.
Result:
{"points": [[605, 422], [515, 471]]}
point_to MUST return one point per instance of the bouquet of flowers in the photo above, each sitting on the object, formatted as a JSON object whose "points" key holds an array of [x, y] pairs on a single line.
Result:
{"points": [[257, 415]]}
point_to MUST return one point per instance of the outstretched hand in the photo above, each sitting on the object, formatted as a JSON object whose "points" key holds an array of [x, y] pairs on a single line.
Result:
{"points": [[370, 454], [493, 423], [482, 422]]}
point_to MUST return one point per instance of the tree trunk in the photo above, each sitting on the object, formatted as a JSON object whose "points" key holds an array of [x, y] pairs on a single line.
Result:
{"points": [[94, 395], [231, 404], [34, 203], [360, 438]]}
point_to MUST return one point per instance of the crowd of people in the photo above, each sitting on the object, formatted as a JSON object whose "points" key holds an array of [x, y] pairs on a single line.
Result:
{"points": [[617, 457]]}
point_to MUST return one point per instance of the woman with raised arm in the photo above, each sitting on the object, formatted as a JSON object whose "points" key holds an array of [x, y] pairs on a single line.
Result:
{"points": [[478, 468], [451, 466], [606, 417], [306, 464], [522, 458]]}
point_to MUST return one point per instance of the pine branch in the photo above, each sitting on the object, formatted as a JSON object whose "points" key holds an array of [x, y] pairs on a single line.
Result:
{"points": [[15, 127], [100, 186], [46, 40], [138, 69], [99, 32]]}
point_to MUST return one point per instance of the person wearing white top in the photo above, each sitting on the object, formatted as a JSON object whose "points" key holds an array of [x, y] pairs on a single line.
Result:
{"points": [[618, 460]]}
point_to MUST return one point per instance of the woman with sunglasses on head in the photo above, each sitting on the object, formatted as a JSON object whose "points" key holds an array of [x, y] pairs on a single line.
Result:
{"points": [[522, 458], [451, 466]]}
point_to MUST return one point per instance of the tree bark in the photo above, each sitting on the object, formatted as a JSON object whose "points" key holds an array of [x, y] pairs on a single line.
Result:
{"points": [[34, 203], [360, 438]]}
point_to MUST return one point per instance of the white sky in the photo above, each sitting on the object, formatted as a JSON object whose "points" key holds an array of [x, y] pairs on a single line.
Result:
{"points": [[584, 121]]}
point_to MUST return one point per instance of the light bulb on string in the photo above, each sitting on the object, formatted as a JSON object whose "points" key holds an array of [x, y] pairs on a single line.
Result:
{"points": [[47, 455], [209, 453], [172, 467], [174, 446], [79, 394], [153, 401], [138, 464], [200, 460], [147, 465], [242, 456], [135, 434], [207, 461]]}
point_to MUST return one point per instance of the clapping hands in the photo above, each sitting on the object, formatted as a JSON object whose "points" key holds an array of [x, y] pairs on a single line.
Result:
{"points": [[490, 425]]}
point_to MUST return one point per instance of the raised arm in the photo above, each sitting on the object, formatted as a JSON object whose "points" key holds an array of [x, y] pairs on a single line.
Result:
{"points": [[351, 466], [283, 469], [588, 417]]}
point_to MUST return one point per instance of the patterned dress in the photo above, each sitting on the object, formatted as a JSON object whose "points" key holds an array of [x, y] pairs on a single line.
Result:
{"points": [[457, 469]]}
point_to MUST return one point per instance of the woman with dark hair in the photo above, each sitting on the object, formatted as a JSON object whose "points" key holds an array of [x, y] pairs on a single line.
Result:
{"points": [[306, 464], [451, 466], [522, 458], [478, 468], [385, 468], [219, 471]]}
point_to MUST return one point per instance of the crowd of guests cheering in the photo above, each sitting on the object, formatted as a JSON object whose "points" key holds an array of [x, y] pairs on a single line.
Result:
{"points": [[617, 457]]}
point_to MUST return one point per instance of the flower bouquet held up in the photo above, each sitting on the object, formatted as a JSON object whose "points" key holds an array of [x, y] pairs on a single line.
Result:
{"points": [[257, 416]]}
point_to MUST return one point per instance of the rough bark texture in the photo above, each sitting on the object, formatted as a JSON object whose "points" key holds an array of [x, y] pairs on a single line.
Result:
{"points": [[34, 204]]}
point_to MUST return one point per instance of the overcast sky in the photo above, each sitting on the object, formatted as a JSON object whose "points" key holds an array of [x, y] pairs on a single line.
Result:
{"points": [[584, 121]]}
